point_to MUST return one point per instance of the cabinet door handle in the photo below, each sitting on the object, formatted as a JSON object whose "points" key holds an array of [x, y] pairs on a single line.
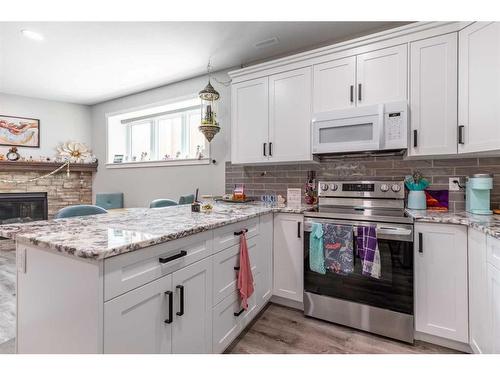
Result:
{"points": [[299, 232], [183, 253], [240, 232], [264, 149], [359, 92], [239, 312], [415, 138], [170, 296], [461, 135], [270, 148], [236, 268], [351, 93], [181, 300], [420, 240]]}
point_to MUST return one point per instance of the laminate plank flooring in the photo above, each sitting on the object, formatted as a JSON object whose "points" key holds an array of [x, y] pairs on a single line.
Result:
{"points": [[281, 330]]}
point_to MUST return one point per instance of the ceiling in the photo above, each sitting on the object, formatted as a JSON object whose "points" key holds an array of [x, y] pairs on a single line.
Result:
{"points": [[91, 62]]}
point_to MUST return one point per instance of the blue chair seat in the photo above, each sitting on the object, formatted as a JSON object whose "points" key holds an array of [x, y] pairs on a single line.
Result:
{"points": [[109, 200], [79, 210], [186, 199], [157, 203]]}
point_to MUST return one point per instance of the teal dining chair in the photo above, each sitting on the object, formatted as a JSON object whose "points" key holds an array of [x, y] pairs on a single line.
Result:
{"points": [[109, 200], [157, 203], [79, 210], [186, 199]]}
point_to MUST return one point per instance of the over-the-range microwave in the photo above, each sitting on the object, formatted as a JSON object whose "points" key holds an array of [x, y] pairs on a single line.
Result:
{"points": [[368, 128]]}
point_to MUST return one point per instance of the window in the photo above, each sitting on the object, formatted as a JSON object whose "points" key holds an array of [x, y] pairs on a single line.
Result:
{"points": [[166, 133]]}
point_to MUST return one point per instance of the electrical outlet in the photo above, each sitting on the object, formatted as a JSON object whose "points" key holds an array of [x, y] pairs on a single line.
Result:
{"points": [[453, 186]]}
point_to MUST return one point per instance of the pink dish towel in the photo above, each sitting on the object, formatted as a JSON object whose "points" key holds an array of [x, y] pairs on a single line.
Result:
{"points": [[245, 277]]}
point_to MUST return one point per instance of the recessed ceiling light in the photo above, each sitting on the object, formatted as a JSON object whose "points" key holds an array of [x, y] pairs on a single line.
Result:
{"points": [[32, 34], [267, 42]]}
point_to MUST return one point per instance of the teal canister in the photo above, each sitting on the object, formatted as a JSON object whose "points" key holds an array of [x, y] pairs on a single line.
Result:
{"points": [[417, 200], [477, 194]]}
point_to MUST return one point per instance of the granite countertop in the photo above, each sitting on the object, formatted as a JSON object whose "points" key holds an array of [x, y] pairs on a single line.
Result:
{"points": [[124, 230], [489, 224]]}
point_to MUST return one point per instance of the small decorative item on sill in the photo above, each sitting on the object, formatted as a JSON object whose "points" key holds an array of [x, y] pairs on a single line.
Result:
{"points": [[416, 184]]}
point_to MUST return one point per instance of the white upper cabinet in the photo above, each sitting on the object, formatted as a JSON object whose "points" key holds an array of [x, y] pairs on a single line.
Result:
{"points": [[382, 75], [250, 121], [290, 116], [334, 85], [479, 87], [433, 96], [441, 300]]}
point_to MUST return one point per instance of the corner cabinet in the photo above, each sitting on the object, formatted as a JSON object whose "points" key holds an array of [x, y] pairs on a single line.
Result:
{"points": [[479, 87], [433, 96], [271, 118], [441, 299]]}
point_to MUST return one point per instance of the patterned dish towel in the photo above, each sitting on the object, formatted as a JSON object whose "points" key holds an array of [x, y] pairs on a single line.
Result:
{"points": [[337, 242], [368, 251]]}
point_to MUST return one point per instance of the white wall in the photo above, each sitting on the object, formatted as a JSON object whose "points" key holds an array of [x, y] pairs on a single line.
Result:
{"points": [[142, 185], [59, 122]]}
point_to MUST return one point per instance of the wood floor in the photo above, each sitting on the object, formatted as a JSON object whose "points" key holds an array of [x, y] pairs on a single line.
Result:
{"points": [[281, 330]]}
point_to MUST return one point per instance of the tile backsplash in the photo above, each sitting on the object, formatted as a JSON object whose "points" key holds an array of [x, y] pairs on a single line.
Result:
{"points": [[265, 179]]}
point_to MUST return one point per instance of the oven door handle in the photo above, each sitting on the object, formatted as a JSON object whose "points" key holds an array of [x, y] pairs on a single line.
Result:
{"points": [[394, 230]]}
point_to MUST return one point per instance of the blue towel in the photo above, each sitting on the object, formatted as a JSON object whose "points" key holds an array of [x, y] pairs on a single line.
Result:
{"points": [[316, 254], [338, 245]]}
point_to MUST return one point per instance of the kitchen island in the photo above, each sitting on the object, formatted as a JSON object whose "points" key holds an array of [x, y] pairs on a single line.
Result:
{"points": [[139, 280]]}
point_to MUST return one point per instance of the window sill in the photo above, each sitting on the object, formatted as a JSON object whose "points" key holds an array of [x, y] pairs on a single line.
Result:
{"points": [[157, 163]]}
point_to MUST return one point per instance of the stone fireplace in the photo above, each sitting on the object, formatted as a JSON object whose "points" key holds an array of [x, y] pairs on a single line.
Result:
{"points": [[22, 207]]}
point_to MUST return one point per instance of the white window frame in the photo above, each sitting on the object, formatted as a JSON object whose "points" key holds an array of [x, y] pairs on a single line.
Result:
{"points": [[154, 118]]}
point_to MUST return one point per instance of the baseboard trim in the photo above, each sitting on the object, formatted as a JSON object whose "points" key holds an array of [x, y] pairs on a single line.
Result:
{"points": [[287, 302], [447, 343]]}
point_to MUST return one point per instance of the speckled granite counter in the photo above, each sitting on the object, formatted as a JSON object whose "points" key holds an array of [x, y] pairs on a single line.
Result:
{"points": [[122, 231], [489, 224]]}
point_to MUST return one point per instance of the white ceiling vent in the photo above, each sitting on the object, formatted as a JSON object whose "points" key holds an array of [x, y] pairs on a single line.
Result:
{"points": [[267, 42]]}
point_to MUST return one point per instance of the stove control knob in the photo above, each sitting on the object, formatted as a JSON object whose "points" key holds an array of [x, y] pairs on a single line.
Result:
{"points": [[395, 188], [324, 187], [333, 187], [384, 187]]}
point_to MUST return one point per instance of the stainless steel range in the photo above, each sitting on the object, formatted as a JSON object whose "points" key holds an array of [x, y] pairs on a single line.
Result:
{"points": [[380, 305]]}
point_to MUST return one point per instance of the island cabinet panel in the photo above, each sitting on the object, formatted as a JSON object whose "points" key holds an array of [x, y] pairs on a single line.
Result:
{"points": [[137, 322], [131, 270], [192, 325], [441, 298]]}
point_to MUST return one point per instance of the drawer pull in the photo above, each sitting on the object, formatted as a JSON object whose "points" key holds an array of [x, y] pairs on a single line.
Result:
{"points": [[240, 232], [183, 253], [181, 300], [239, 312], [236, 268], [420, 245], [170, 306]]}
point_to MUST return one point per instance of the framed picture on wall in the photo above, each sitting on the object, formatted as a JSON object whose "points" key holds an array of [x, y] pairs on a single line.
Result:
{"points": [[19, 131]]}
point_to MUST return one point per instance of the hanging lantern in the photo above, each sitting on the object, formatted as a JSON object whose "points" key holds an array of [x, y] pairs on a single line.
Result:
{"points": [[209, 99]]}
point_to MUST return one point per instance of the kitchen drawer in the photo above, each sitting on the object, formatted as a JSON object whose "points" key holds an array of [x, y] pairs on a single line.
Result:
{"points": [[227, 326], [225, 276], [131, 270], [493, 246], [224, 237]]}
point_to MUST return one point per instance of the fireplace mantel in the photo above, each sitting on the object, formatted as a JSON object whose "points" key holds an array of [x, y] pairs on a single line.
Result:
{"points": [[38, 166]]}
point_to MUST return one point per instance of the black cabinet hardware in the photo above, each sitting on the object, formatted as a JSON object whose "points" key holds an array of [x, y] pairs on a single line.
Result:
{"points": [[239, 312], [236, 268], [240, 232], [299, 232], [270, 148], [420, 240], [264, 149], [461, 135], [170, 296], [351, 93], [359, 92], [415, 138], [183, 253], [181, 300]]}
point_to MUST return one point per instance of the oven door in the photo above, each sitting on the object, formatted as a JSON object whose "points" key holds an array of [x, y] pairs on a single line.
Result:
{"points": [[394, 289], [347, 130]]}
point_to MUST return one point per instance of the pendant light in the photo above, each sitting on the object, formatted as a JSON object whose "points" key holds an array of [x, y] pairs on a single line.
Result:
{"points": [[209, 103]]}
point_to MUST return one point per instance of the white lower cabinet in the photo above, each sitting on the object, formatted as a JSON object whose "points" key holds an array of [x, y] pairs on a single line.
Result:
{"points": [[494, 307], [441, 300], [288, 257]]}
